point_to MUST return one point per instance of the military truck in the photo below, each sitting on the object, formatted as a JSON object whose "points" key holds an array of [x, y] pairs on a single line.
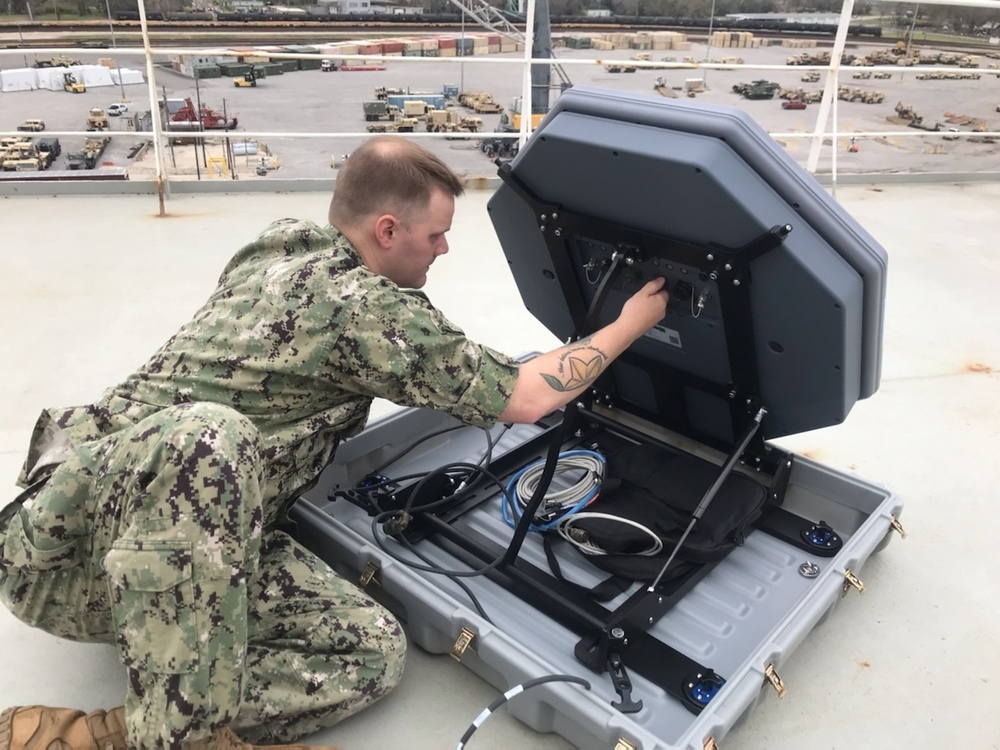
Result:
{"points": [[399, 125], [32, 126], [759, 89], [452, 121], [384, 92], [97, 119], [416, 108], [59, 61], [86, 158], [49, 146], [811, 77], [380, 110], [480, 102]]}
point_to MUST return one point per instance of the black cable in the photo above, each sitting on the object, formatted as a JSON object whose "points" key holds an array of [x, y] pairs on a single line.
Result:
{"points": [[454, 579], [386, 515], [512, 693], [479, 470], [423, 439]]}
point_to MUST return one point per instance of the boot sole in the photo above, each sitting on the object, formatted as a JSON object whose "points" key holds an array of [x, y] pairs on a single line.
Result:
{"points": [[5, 719]]}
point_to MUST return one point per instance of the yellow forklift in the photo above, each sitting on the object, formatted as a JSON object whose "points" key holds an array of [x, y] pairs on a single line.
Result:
{"points": [[71, 85], [248, 79]]}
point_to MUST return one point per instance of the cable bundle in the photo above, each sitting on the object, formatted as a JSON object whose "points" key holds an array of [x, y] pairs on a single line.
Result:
{"points": [[558, 504]]}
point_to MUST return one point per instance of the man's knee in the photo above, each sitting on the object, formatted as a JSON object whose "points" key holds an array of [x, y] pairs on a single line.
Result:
{"points": [[205, 428]]}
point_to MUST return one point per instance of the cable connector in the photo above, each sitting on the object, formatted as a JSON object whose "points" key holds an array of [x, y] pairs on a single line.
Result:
{"points": [[398, 523]]}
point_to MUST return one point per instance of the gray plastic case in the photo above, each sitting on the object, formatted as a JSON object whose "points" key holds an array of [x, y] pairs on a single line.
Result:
{"points": [[790, 329], [748, 614]]}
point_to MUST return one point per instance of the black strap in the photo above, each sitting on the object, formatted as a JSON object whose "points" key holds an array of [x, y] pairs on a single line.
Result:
{"points": [[605, 591]]}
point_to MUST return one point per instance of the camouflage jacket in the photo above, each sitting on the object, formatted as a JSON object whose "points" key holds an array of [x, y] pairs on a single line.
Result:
{"points": [[299, 336]]}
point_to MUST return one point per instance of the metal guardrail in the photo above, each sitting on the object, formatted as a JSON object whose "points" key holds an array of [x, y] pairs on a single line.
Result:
{"points": [[827, 111]]}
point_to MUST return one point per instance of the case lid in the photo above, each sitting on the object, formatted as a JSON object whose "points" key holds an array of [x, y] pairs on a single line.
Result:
{"points": [[777, 295]]}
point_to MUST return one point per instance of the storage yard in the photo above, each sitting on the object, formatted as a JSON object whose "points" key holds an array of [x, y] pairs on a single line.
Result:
{"points": [[254, 94]]}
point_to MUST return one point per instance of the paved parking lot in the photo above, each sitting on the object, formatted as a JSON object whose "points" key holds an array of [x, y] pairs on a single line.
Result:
{"points": [[317, 102]]}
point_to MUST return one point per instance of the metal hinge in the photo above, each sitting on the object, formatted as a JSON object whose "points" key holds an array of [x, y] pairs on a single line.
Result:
{"points": [[771, 675], [368, 575], [710, 744], [624, 744], [895, 525], [852, 580], [462, 644]]}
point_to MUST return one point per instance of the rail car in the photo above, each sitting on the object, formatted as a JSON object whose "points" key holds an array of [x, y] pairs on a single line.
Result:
{"points": [[455, 19]]}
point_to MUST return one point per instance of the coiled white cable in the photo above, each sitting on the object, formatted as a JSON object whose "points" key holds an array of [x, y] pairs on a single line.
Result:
{"points": [[558, 503], [581, 540]]}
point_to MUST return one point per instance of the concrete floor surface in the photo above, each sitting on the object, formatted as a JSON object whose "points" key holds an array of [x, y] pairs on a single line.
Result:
{"points": [[92, 285]]}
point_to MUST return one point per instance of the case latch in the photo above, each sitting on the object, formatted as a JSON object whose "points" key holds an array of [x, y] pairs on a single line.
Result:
{"points": [[895, 525], [710, 744], [368, 575], [771, 675], [624, 744], [852, 580], [462, 644]]}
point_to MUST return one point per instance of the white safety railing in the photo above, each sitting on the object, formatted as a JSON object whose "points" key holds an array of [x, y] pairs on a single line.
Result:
{"points": [[826, 125]]}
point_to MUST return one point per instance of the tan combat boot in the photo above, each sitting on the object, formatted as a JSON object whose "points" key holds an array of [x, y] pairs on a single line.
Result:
{"points": [[43, 728], [225, 739]]}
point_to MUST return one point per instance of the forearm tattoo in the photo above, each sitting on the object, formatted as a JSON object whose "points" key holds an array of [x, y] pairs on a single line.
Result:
{"points": [[578, 367]]}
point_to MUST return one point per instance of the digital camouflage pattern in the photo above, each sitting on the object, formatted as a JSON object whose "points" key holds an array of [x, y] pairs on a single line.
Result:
{"points": [[155, 529]]}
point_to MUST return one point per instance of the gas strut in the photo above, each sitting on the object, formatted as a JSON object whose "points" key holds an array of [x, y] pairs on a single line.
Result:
{"points": [[710, 495]]}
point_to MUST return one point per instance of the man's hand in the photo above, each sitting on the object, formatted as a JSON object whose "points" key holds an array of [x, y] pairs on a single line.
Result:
{"points": [[645, 308], [550, 380]]}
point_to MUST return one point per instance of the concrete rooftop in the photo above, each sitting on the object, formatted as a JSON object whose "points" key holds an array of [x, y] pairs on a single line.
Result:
{"points": [[93, 284]]}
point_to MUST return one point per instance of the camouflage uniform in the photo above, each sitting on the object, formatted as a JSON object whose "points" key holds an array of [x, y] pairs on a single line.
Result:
{"points": [[154, 525]]}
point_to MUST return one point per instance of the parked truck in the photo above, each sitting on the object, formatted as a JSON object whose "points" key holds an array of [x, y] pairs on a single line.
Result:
{"points": [[32, 126], [86, 158], [380, 110], [97, 119]]}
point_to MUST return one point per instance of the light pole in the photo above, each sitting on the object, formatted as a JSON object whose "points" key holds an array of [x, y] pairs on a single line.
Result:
{"points": [[708, 44], [114, 46]]}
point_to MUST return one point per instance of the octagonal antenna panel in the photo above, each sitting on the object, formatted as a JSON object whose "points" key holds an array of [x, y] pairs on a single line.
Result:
{"points": [[777, 294]]}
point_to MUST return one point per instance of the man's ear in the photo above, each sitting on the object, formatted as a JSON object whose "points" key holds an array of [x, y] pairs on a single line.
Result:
{"points": [[386, 227]]}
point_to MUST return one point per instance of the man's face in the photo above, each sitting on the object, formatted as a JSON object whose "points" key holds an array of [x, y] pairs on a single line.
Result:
{"points": [[418, 242]]}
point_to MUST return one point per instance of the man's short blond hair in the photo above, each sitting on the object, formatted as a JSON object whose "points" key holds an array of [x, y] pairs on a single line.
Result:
{"points": [[388, 174]]}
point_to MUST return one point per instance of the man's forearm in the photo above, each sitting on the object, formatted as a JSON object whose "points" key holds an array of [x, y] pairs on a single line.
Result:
{"points": [[551, 380]]}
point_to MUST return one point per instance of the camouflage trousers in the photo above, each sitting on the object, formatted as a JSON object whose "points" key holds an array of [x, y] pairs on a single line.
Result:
{"points": [[154, 539]]}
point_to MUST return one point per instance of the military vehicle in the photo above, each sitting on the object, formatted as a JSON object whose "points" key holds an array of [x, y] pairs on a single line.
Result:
{"points": [[452, 121], [811, 77], [384, 92], [379, 110], [97, 119], [59, 61], [759, 89], [416, 108], [399, 125], [32, 126], [86, 158], [619, 68], [480, 102]]}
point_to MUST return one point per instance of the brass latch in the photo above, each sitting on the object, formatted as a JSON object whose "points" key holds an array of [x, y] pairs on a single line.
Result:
{"points": [[710, 744], [897, 526], [852, 580], [771, 675], [624, 744], [462, 644], [368, 575]]}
